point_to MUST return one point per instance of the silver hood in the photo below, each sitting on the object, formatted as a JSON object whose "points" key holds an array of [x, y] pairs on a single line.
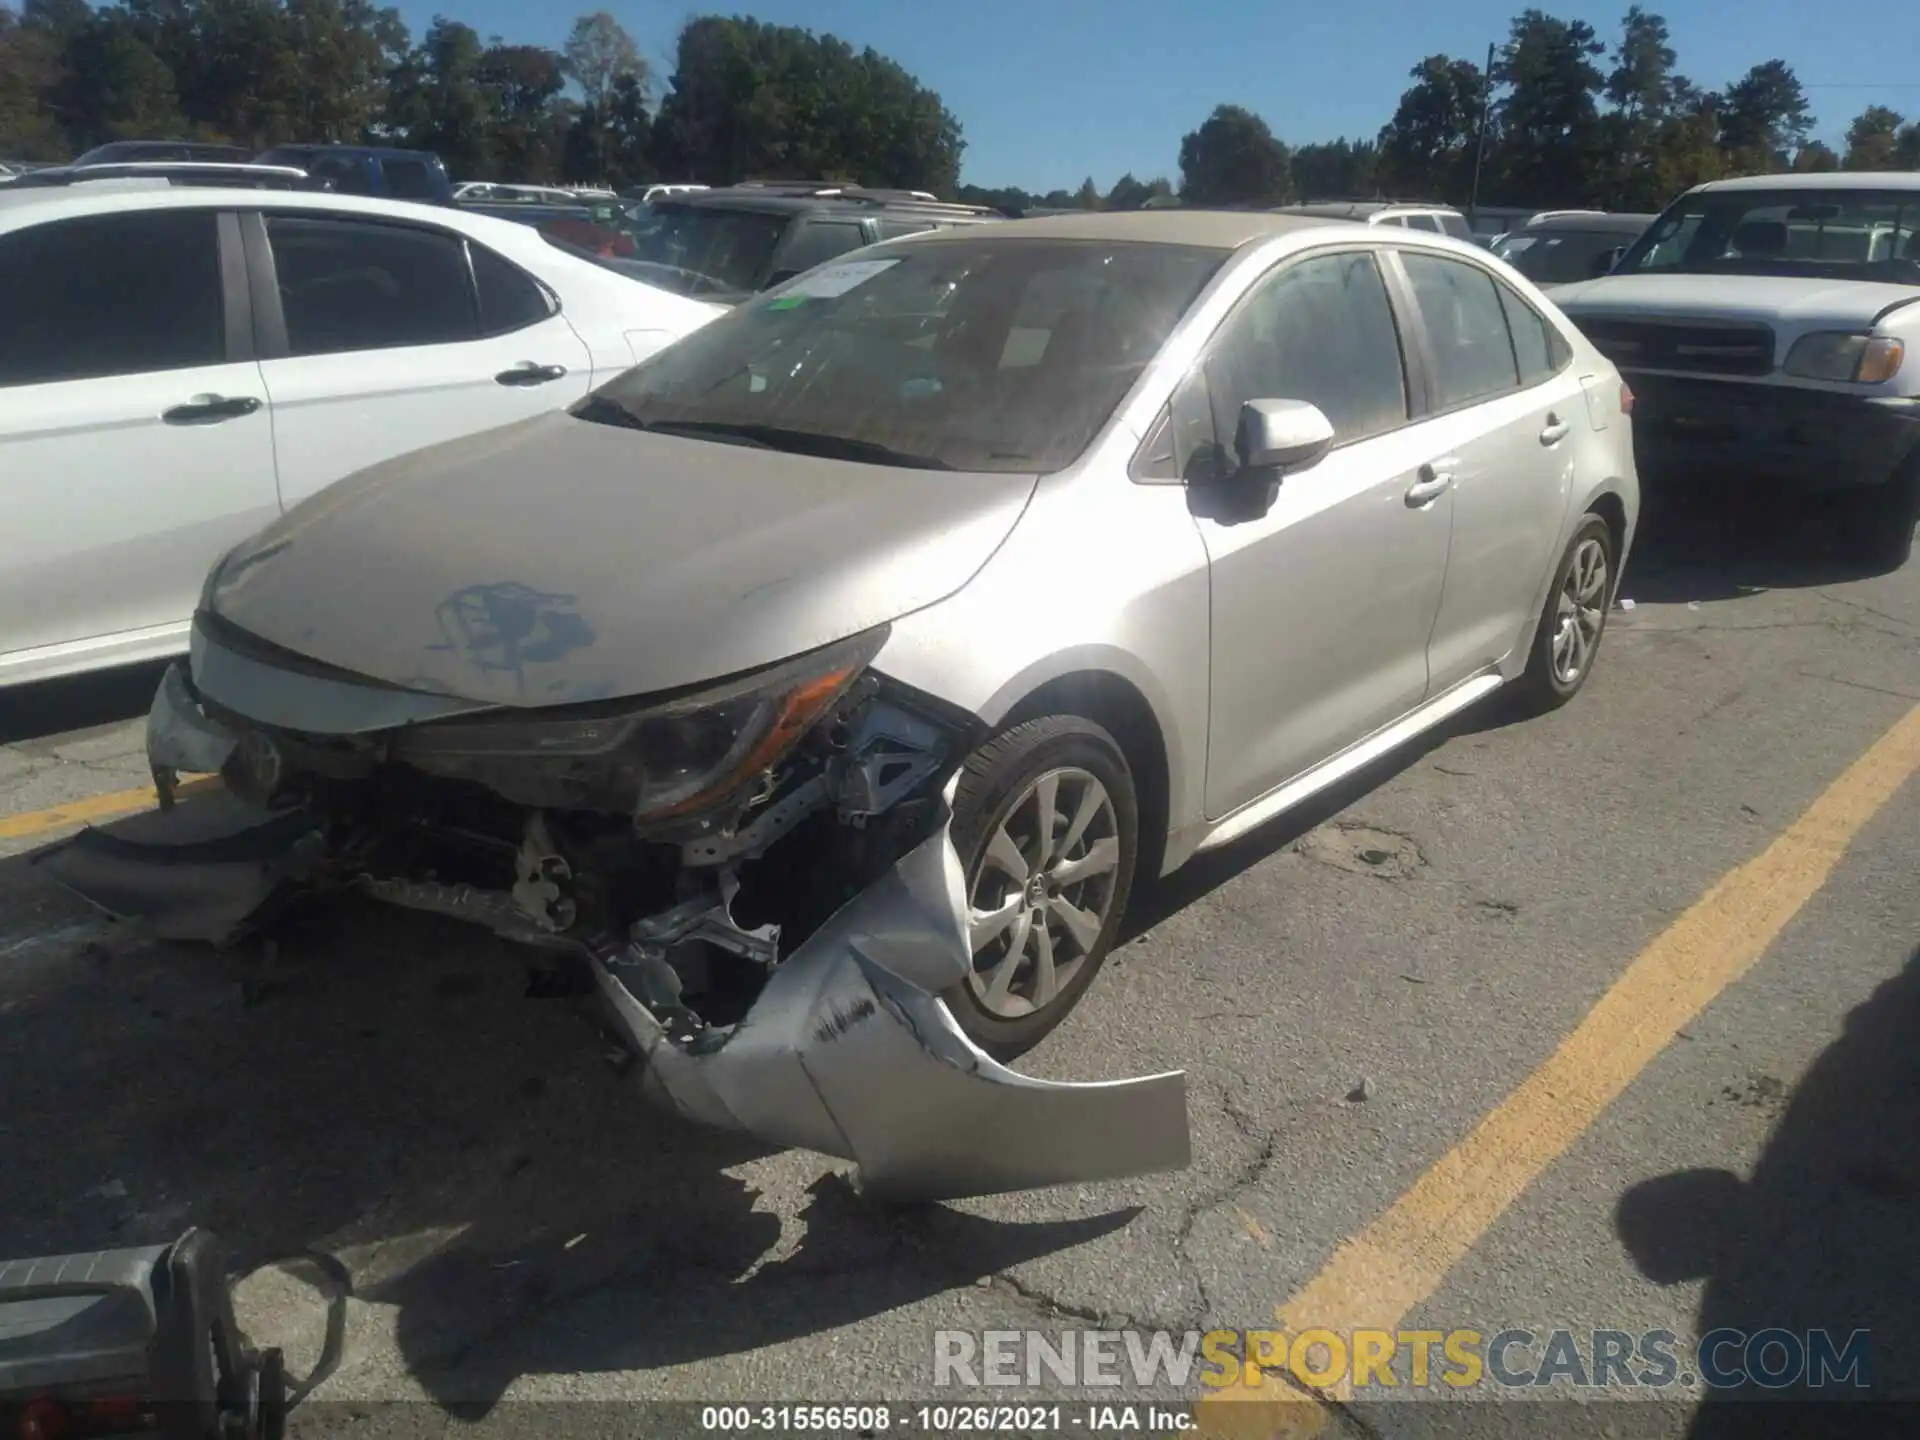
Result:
{"points": [[1790, 302], [558, 560]]}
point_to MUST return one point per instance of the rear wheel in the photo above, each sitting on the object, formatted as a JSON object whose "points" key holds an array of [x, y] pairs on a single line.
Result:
{"points": [[1566, 642], [1046, 822]]}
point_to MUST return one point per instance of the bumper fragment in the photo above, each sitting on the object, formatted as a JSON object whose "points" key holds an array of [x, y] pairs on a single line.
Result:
{"points": [[198, 871], [181, 738], [849, 1051]]}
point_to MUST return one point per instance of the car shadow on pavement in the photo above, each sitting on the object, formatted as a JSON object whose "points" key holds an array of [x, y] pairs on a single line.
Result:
{"points": [[1157, 900], [1727, 542], [79, 702], [1823, 1236], [380, 1086]]}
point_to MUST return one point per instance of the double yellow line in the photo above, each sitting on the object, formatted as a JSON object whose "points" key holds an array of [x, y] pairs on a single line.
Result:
{"points": [[1377, 1276]]}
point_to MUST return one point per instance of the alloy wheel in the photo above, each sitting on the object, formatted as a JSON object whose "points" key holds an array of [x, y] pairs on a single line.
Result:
{"points": [[1580, 612], [1042, 892]]}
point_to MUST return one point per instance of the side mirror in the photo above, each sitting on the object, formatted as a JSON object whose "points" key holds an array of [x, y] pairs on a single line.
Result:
{"points": [[1604, 262], [1276, 436]]}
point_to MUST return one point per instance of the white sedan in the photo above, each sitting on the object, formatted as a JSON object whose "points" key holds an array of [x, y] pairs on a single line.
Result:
{"points": [[178, 365]]}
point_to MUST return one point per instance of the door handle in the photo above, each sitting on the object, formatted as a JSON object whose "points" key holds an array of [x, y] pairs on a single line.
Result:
{"points": [[1434, 481], [528, 373], [1556, 430], [210, 409]]}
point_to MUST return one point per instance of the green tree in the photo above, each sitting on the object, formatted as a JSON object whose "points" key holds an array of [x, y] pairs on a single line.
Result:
{"points": [[599, 55], [750, 99], [1131, 193], [1550, 139], [1873, 139], [1816, 157], [30, 69], [1686, 148], [435, 101], [1087, 197], [1427, 148], [1234, 159], [1764, 118], [1341, 170], [1640, 88], [525, 127], [114, 86], [347, 48]]}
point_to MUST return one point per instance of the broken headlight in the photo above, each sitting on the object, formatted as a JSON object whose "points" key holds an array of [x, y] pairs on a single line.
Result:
{"points": [[655, 760]]}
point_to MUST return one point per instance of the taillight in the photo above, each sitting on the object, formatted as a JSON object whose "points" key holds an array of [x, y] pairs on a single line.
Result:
{"points": [[44, 1419], [1626, 398]]}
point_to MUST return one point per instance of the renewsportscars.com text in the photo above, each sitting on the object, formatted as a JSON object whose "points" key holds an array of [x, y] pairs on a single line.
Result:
{"points": [[1382, 1360]]}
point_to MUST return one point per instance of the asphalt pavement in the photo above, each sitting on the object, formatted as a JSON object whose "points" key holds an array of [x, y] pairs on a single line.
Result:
{"points": [[1596, 1022]]}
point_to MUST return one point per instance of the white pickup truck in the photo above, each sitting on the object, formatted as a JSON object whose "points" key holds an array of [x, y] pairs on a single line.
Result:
{"points": [[1770, 329]]}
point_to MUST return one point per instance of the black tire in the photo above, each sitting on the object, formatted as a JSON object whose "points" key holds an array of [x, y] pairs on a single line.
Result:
{"points": [[1541, 687], [1881, 520], [993, 783]]}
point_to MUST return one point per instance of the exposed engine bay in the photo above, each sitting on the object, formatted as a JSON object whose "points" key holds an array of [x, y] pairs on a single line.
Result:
{"points": [[756, 879]]}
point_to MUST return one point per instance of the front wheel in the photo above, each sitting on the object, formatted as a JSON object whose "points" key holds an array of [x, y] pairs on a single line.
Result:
{"points": [[1566, 641], [1046, 822]]}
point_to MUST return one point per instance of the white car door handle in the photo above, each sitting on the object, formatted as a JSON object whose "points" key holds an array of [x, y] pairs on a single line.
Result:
{"points": [[211, 409], [1556, 430], [528, 373], [1432, 484]]}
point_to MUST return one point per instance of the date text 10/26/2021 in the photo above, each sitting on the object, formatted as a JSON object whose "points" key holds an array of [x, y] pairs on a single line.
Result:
{"points": [[948, 1419]]}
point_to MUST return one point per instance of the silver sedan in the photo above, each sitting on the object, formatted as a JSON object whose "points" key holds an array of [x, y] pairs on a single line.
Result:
{"points": [[828, 682]]}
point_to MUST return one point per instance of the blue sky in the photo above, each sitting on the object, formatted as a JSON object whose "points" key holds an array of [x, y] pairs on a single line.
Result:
{"points": [[1050, 91]]}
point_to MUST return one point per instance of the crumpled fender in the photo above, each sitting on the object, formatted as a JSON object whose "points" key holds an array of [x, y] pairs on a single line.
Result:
{"points": [[849, 1051]]}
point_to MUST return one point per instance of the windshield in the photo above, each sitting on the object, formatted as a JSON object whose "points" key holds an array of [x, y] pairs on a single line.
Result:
{"points": [[963, 355], [1842, 234], [709, 248], [1558, 257]]}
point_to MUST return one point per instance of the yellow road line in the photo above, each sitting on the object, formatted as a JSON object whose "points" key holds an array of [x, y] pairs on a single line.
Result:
{"points": [[94, 807], [1380, 1274]]}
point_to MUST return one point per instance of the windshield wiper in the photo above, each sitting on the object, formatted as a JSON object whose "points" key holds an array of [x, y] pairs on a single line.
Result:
{"points": [[602, 411], [801, 442]]}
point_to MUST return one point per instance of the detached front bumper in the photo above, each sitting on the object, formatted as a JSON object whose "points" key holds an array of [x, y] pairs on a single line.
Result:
{"points": [[1686, 428], [848, 1050]]}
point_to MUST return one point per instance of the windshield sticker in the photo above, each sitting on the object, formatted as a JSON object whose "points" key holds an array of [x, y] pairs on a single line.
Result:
{"points": [[830, 281]]}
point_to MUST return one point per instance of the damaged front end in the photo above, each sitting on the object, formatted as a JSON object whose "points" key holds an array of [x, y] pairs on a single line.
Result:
{"points": [[755, 876]]}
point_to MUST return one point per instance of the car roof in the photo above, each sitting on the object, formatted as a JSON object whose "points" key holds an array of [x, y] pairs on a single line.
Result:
{"points": [[1207, 229], [793, 199], [1830, 180], [1621, 221], [1367, 209], [34, 205]]}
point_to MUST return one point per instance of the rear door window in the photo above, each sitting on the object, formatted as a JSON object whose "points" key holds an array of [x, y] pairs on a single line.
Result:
{"points": [[820, 241], [1456, 226], [358, 285], [409, 179], [1466, 329], [510, 299], [126, 294], [1423, 222]]}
